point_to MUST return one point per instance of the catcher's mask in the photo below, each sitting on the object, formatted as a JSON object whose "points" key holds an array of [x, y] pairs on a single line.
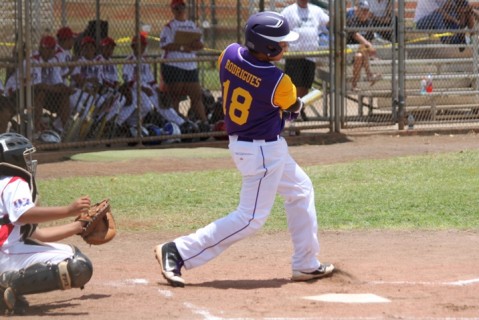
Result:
{"points": [[18, 151]]}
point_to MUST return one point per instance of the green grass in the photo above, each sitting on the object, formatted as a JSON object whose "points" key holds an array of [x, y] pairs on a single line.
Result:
{"points": [[426, 192]]}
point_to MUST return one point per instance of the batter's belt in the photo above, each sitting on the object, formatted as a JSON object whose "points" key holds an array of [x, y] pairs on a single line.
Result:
{"points": [[246, 139]]}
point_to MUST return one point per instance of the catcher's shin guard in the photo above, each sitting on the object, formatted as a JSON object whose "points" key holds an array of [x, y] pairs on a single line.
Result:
{"points": [[74, 272], [80, 269]]}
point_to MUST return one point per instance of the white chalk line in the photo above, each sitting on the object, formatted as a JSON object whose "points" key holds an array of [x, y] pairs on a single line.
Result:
{"points": [[165, 293], [127, 282], [459, 283], [201, 311]]}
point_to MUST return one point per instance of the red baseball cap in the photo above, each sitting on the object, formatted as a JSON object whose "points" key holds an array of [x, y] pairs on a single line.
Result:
{"points": [[175, 3], [107, 42], [86, 40], [66, 33], [48, 42], [143, 40]]}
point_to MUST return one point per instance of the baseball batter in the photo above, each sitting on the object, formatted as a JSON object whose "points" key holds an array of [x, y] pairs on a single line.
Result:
{"points": [[257, 96], [31, 261]]}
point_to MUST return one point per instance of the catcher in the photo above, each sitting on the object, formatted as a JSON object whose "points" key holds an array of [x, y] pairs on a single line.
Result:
{"points": [[31, 261]]}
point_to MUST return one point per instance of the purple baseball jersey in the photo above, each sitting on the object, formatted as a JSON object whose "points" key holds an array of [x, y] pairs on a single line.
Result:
{"points": [[255, 93]]}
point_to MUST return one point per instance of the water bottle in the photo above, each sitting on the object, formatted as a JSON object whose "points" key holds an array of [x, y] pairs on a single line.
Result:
{"points": [[423, 85], [429, 84], [410, 121]]}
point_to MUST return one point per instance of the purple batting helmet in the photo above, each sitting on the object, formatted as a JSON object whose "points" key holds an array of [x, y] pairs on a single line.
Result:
{"points": [[264, 30]]}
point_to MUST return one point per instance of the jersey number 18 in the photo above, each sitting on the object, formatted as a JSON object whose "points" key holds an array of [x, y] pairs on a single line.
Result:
{"points": [[239, 105]]}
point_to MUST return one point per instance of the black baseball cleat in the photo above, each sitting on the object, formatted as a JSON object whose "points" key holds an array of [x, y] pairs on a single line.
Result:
{"points": [[11, 303], [324, 270], [171, 263]]}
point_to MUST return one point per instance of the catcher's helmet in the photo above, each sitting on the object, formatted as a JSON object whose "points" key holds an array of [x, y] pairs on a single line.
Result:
{"points": [[17, 150], [264, 30]]}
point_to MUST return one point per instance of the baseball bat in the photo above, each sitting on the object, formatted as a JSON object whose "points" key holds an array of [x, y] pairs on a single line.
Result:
{"points": [[78, 119], [87, 121], [113, 96], [71, 119], [94, 114], [312, 96]]}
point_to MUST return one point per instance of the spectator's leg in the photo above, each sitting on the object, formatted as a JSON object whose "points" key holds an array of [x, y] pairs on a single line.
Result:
{"points": [[5, 116], [7, 111], [172, 80], [366, 65], [193, 90], [40, 99], [358, 64], [176, 91], [63, 108]]}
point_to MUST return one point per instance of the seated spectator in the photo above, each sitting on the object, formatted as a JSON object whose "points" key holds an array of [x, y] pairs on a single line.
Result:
{"points": [[360, 17], [50, 92], [110, 71], [11, 94], [114, 100], [12, 83], [7, 109], [181, 78], [66, 40], [445, 14], [86, 79], [150, 100]]}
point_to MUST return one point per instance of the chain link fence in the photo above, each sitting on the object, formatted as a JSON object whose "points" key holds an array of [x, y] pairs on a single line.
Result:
{"points": [[422, 70], [84, 72]]}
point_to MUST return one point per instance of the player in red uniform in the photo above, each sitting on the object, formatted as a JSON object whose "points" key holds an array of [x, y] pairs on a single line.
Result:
{"points": [[31, 261]]}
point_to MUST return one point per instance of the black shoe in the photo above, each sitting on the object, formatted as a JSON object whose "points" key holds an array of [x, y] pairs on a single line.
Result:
{"points": [[324, 270], [3, 305], [11, 303], [171, 263]]}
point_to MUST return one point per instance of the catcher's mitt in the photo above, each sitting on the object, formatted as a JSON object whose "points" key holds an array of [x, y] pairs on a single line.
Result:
{"points": [[99, 225]]}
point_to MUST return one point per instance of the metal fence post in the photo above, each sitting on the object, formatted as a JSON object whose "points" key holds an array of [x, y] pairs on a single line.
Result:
{"points": [[28, 75], [401, 65], [338, 86]]}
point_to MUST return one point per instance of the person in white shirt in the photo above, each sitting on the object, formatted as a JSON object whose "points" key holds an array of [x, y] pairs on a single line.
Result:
{"points": [[114, 100], [66, 40], [150, 102], [50, 92], [87, 81], [182, 78], [310, 22]]}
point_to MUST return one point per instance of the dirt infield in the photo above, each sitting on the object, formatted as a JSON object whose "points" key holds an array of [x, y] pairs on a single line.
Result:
{"points": [[420, 274]]}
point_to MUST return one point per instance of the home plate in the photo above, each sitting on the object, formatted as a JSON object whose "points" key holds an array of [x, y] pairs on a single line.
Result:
{"points": [[349, 298]]}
